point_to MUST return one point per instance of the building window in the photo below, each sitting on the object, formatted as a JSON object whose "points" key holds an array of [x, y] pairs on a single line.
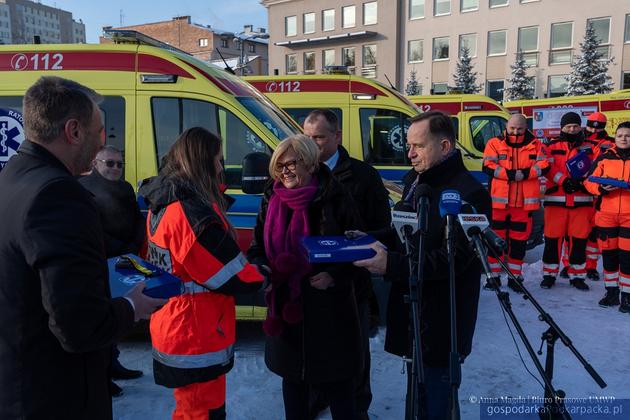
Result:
{"points": [[441, 7], [528, 1], [528, 44], [309, 23], [370, 13], [498, 3], [328, 58], [496, 42], [416, 9], [440, 48], [439, 88], [494, 89], [369, 55], [625, 81], [309, 62], [468, 41], [469, 5], [224, 43], [602, 32], [251, 48], [561, 43], [291, 63], [349, 16], [557, 86], [328, 20], [203, 42], [290, 26], [626, 37], [347, 55], [415, 51]]}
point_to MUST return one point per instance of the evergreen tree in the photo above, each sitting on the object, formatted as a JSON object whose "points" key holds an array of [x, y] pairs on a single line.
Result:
{"points": [[465, 78], [413, 87], [589, 71], [520, 85]]}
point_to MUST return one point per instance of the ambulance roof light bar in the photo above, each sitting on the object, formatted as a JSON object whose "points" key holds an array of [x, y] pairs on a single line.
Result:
{"points": [[127, 36]]}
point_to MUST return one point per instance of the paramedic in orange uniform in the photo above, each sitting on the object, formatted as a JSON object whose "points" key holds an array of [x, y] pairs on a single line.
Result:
{"points": [[514, 162], [189, 235], [612, 219]]}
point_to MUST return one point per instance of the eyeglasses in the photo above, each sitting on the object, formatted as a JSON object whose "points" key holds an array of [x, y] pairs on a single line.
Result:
{"points": [[110, 163], [290, 165]]}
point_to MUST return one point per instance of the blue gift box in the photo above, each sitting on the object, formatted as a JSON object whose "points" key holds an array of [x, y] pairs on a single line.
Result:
{"points": [[609, 181], [325, 249], [159, 284], [579, 165]]}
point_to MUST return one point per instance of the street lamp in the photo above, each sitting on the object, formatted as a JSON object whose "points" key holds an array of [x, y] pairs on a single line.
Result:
{"points": [[240, 40]]}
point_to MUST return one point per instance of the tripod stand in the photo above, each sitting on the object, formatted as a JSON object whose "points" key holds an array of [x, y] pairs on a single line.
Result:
{"points": [[553, 406]]}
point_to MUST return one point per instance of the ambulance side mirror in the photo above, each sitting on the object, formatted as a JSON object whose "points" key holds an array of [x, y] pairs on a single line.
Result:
{"points": [[255, 173]]}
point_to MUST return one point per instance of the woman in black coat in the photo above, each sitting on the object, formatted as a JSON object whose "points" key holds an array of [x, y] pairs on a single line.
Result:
{"points": [[312, 327]]}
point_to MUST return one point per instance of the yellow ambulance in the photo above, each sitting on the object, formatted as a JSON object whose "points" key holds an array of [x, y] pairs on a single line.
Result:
{"points": [[151, 95], [543, 115]]}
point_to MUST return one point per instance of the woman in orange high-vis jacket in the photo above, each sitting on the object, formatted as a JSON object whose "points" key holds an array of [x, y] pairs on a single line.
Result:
{"points": [[612, 220], [189, 235]]}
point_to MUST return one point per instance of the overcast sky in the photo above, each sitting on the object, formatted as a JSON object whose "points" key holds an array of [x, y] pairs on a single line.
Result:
{"points": [[230, 15]]}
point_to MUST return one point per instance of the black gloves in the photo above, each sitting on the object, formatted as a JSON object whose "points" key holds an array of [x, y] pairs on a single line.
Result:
{"points": [[570, 185]]}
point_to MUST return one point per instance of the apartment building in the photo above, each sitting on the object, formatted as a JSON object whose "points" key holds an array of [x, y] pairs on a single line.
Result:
{"points": [[248, 47], [307, 36], [27, 19], [428, 35], [548, 32]]}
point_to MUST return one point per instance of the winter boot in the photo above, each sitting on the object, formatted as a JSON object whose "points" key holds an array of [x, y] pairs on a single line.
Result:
{"points": [[592, 274], [625, 303], [491, 281], [611, 298], [515, 285], [565, 272], [547, 282], [579, 284]]}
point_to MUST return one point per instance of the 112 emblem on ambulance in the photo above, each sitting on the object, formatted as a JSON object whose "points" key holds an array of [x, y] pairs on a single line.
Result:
{"points": [[11, 134]]}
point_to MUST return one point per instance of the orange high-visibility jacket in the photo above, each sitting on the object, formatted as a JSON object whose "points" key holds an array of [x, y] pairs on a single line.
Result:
{"points": [[503, 156], [559, 151], [193, 334], [611, 165]]}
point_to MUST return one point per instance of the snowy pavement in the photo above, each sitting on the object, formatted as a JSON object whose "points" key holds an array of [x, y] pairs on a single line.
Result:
{"points": [[493, 370]]}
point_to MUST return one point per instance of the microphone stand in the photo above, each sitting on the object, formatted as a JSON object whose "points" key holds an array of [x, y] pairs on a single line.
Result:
{"points": [[554, 405], [455, 368]]}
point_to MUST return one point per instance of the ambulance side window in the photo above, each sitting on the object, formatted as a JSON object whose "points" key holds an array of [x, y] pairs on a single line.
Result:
{"points": [[11, 102], [384, 136], [238, 141], [300, 114], [172, 116], [484, 128], [113, 112]]}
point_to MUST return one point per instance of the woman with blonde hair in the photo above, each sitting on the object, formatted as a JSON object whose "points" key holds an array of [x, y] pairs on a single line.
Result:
{"points": [[190, 236], [312, 327]]}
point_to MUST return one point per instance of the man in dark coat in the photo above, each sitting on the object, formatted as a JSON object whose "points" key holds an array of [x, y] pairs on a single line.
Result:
{"points": [[372, 201], [57, 321], [436, 163], [124, 227]]}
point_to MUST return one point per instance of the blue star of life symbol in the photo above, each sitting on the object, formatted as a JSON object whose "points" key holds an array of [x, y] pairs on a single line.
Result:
{"points": [[11, 134]]}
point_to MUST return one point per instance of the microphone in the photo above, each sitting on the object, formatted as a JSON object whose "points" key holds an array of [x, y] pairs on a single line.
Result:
{"points": [[422, 196], [450, 206], [404, 220], [478, 225]]}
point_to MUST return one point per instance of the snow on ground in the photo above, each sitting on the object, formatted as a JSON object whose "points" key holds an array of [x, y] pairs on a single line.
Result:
{"points": [[493, 370]]}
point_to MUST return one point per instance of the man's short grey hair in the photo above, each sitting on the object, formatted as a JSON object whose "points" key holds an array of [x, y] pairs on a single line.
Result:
{"points": [[51, 102], [111, 149]]}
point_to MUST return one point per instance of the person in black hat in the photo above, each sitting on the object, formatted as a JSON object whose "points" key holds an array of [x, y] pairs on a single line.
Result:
{"points": [[568, 205]]}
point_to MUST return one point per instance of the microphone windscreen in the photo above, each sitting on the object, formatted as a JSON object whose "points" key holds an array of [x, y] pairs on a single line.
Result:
{"points": [[403, 205], [450, 203], [422, 190]]}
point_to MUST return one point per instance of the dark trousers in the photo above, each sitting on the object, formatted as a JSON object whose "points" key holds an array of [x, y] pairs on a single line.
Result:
{"points": [[436, 402], [339, 394], [363, 390]]}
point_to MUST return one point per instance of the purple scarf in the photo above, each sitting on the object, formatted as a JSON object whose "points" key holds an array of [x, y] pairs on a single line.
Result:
{"points": [[283, 242]]}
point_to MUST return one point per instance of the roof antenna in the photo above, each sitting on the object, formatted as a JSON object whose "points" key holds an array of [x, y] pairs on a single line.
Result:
{"points": [[227, 66], [390, 83]]}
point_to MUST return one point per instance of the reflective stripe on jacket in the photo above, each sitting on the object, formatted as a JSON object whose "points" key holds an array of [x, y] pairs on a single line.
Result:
{"points": [[501, 161], [611, 165]]}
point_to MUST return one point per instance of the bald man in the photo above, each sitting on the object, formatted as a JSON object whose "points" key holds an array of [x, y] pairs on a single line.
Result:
{"points": [[514, 162]]}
